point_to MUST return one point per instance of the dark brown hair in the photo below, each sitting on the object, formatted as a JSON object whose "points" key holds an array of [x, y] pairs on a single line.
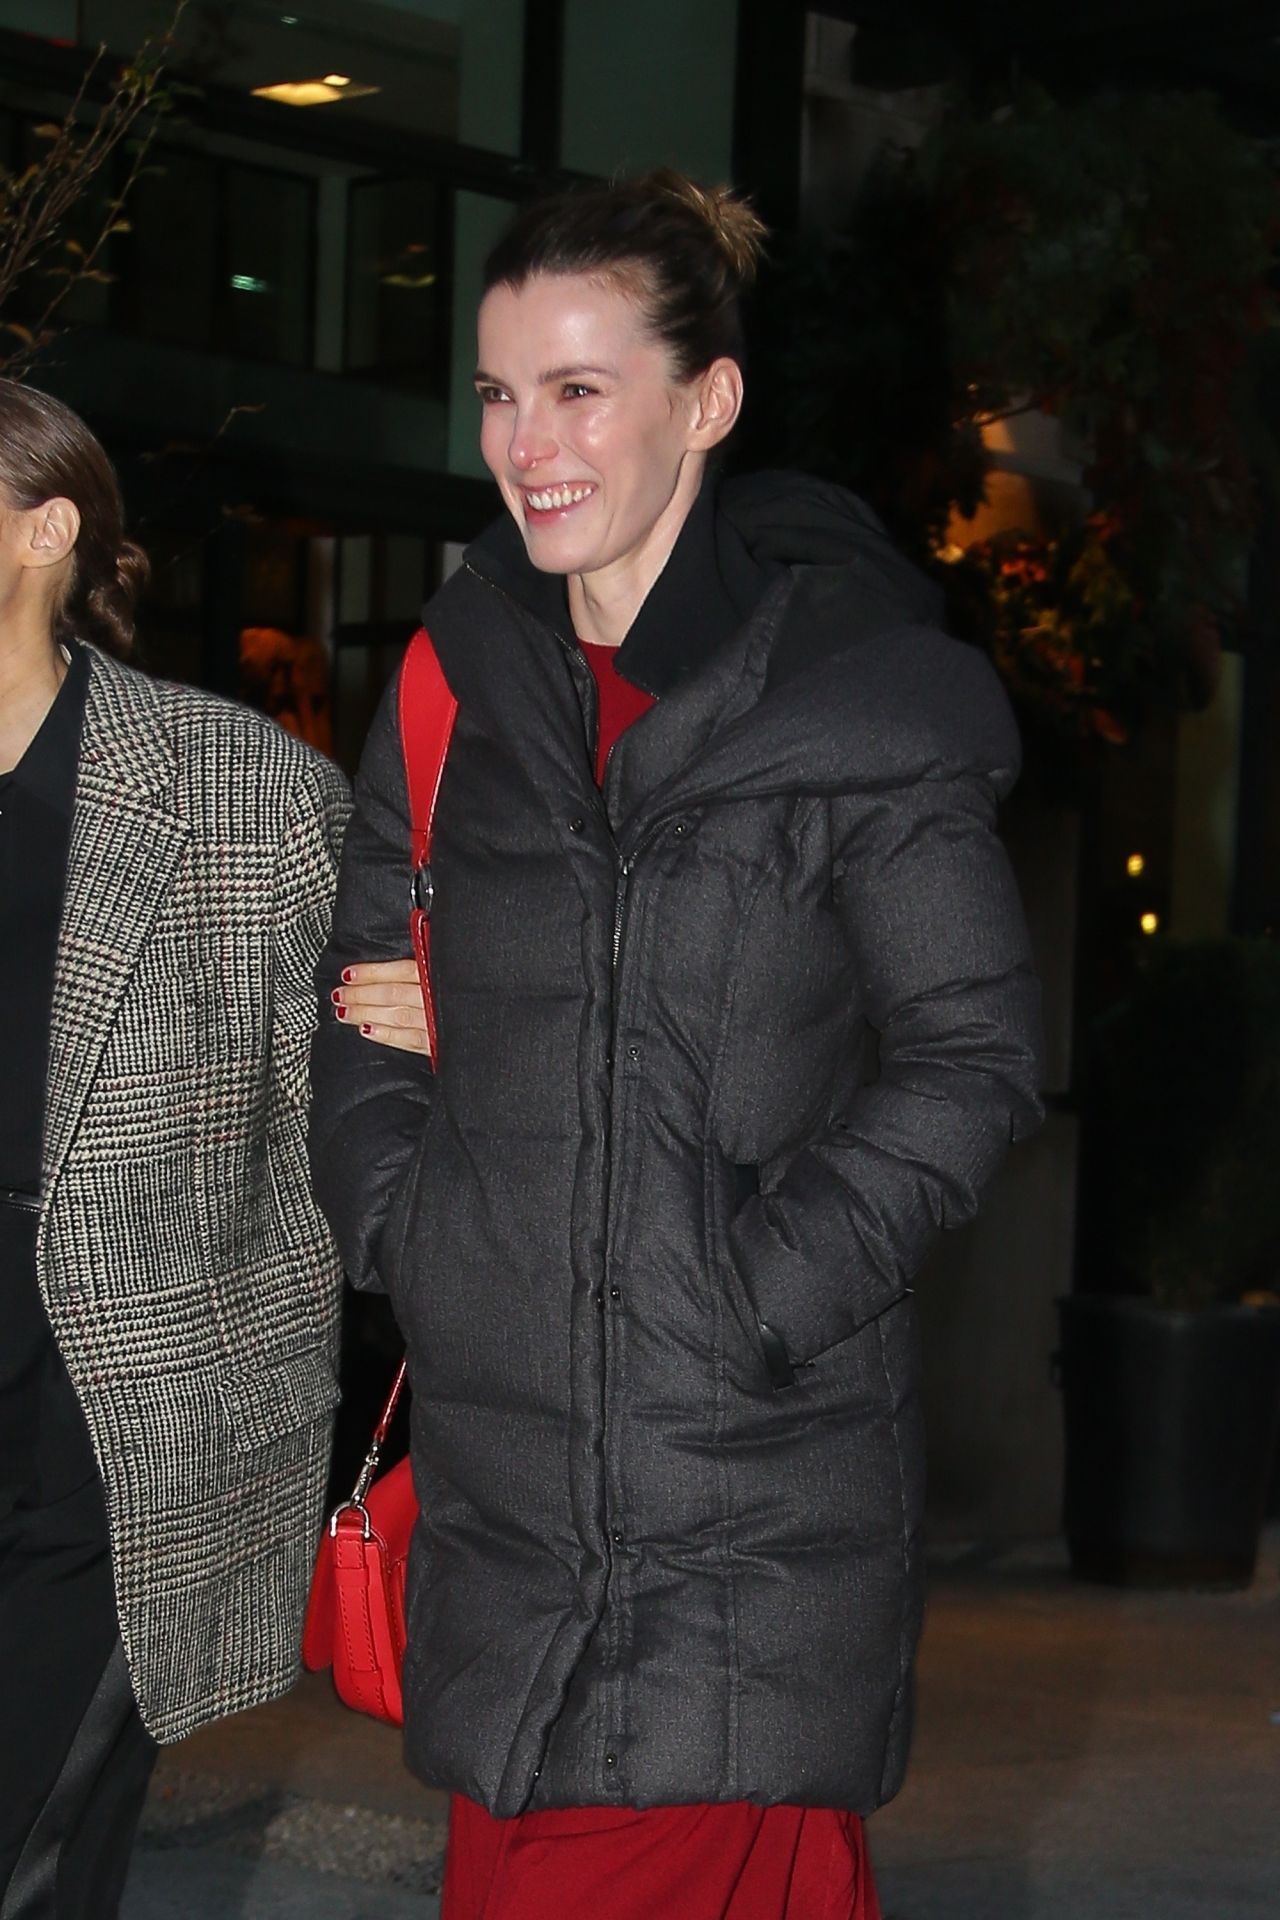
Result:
{"points": [[688, 251], [48, 453]]}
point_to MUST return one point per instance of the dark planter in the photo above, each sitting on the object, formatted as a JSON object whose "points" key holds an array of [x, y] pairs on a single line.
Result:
{"points": [[1171, 1423]]}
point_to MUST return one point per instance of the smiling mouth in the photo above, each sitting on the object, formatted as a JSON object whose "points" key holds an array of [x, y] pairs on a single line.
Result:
{"points": [[555, 499]]}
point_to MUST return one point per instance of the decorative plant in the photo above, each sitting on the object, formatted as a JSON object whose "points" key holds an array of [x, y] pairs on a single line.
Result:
{"points": [[1104, 262], [1062, 620], [43, 259], [1107, 263], [1185, 1086]]}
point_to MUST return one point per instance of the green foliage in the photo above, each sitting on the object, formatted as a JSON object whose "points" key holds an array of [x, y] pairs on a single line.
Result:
{"points": [[1186, 1086]]}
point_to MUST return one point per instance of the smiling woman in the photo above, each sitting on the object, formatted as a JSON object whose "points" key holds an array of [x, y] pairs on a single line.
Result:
{"points": [[599, 458], [606, 382], [718, 805]]}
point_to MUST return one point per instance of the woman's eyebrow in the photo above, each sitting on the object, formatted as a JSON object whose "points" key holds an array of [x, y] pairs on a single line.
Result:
{"points": [[547, 379], [571, 373]]}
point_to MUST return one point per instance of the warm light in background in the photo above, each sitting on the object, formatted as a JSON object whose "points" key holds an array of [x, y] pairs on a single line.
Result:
{"points": [[1150, 923], [1135, 865], [314, 93]]}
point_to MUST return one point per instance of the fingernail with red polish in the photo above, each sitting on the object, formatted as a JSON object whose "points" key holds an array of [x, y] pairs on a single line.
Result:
{"points": [[348, 974], [336, 996], [366, 1029], [341, 1012]]}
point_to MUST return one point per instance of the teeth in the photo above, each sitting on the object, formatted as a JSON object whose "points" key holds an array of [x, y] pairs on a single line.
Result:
{"points": [[553, 497]]}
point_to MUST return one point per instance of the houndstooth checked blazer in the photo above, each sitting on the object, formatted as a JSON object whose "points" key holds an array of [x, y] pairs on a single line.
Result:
{"points": [[191, 1283]]}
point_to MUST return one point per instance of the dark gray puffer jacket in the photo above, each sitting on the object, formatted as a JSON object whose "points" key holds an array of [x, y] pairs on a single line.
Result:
{"points": [[720, 1052]]}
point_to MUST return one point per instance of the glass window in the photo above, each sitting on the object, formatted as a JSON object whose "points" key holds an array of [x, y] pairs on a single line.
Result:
{"points": [[480, 219], [270, 232], [382, 581], [218, 256], [398, 287], [169, 265], [447, 68]]}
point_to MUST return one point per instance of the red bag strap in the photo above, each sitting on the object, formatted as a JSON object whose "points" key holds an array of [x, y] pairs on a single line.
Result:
{"points": [[427, 713], [388, 1413], [373, 1458]]}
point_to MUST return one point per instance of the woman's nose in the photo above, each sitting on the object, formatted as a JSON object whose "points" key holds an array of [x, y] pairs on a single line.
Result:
{"points": [[530, 441]]}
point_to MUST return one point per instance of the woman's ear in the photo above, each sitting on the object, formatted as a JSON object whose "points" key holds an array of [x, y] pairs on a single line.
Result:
{"points": [[717, 404], [54, 528]]}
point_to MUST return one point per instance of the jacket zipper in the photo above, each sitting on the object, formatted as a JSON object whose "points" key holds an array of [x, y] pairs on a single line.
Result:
{"points": [[624, 866], [619, 908], [625, 869]]}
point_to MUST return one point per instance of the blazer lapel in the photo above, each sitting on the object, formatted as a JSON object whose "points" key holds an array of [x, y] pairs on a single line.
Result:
{"points": [[126, 840]]}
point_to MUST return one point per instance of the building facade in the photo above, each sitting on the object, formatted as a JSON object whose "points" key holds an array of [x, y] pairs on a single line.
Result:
{"points": [[279, 351]]}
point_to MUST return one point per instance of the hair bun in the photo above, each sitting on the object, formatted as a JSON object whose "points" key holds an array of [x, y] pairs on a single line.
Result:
{"points": [[105, 608], [133, 570], [681, 253], [739, 232]]}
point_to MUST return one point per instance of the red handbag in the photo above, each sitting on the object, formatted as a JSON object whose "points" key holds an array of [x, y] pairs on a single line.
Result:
{"points": [[355, 1611]]}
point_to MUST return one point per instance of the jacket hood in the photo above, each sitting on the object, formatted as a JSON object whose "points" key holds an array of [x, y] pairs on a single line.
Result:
{"points": [[742, 537], [806, 652], [791, 520]]}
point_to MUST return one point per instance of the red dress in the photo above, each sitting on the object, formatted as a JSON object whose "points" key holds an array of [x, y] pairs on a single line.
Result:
{"points": [[729, 1862]]}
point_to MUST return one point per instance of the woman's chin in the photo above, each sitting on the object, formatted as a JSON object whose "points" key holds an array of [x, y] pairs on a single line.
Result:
{"points": [[554, 549]]}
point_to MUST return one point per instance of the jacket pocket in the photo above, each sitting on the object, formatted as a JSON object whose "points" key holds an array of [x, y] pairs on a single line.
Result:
{"points": [[264, 1406], [766, 1342]]}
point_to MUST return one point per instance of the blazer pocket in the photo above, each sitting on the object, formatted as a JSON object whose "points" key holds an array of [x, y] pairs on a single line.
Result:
{"points": [[153, 1032], [264, 1406]]}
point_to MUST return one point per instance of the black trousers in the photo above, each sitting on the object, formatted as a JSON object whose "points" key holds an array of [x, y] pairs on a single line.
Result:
{"points": [[75, 1757]]}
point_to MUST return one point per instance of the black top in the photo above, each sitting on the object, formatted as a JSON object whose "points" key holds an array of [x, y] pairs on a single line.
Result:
{"points": [[42, 1441], [36, 802]]}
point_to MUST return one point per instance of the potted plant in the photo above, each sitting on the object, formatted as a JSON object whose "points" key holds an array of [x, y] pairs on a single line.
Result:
{"points": [[1105, 262], [1170, 1362]]}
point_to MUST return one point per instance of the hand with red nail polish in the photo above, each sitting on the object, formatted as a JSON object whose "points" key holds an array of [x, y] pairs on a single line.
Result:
{"points": [[385, 999]]}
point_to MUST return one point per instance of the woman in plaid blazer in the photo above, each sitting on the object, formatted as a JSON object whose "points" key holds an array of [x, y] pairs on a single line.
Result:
{"points": [[170, 1317]]}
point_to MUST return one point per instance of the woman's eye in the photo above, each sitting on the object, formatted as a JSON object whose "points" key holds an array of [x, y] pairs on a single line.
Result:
{"points": [[491, 395], [574, 390]]}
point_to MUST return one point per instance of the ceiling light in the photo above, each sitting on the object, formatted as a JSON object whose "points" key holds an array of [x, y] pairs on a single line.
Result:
{"points": [[313, 93], [337, 80], [1135, 865], [1150, 923]]}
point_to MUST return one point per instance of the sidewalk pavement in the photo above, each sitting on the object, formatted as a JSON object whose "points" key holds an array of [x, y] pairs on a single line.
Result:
{"points": [[1081, 1754]]}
